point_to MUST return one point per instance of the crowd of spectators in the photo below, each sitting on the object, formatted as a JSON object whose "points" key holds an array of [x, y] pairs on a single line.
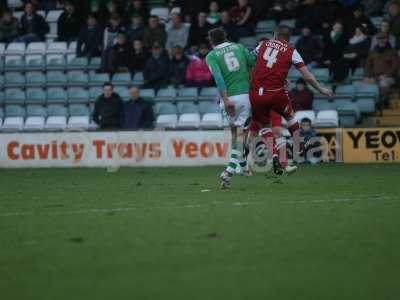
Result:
{"points": [[337, 34]]}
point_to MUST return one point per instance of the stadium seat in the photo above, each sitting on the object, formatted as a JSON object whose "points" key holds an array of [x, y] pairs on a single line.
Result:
{"points": [[2, 48], [309, 114], [358, 74], [14, 63], [289, 23], [51, 19], [367, 90], [138, 79], [323, 104], [35, 96], [121, 79], [123, 92], [347, 90], [14, 118], [35, 118], [98, 79], [167, 94], [167, 121], [208, 94], [366, 104], [78, 95], [78, 63], [187, 94], [94, 64], [189, 115], [187, 108], [35, 79], [55, 62], [163, 108], [57, 48], [1, 98], [293, 74], [1, 117], [56, 79], [36, 48], [15, 49], [293, 39], [1, 81], [14, 80], [77, 78], [327, 118], [249, 42], [265, 26], [1, 63], [34, 62], [72, 47], [56, 95], [94, 93], [57, 117], [148, 94], [349, 113], [211, 115], [79, 117], [14, 96], [321, 74]]}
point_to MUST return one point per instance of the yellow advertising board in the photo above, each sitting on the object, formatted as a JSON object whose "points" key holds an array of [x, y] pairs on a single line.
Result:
{"points": [[332, 142], [367, 145]]}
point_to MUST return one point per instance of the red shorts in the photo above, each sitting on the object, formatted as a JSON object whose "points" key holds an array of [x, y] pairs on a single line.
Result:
{"points": [[277, 101], [271, 120]]}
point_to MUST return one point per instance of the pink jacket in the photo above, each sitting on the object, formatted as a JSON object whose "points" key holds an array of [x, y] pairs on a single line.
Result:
{"points": [[198, 70]]}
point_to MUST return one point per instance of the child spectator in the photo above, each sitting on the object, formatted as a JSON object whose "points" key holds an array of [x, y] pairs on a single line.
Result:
{"points": [[8, 27]]}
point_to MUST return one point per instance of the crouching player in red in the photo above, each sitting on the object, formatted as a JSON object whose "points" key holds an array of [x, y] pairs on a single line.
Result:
{"points": [[268, 85]]}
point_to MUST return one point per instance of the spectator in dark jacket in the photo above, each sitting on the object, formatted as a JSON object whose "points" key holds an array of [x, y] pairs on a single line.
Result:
{"points": [[357, 50], [90, 39], [156, 69], [177, 67], [69, 24], [229, 27], [309, 47], [33, 27], [111, 31], [119, 55], [358, 19], [108, 109], [8, 27], [382, 66], [154, 32], [135, 29], [136, 8], [242, 15], [138, 57], [138, 113], [385, 28], [394, 14], [334, 44], [198, 32], [302, 97]]}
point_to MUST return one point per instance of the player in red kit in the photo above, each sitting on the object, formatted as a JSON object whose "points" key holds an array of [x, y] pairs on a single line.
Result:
{"points": [[269, 93]]}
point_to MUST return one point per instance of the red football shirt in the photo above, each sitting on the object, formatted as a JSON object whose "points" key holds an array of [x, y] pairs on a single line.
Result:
{"points": [[274, 60]]}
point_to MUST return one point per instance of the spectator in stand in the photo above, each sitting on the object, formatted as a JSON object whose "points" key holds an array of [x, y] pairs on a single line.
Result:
{"points": [[69, 23], [138, 113], [229, 27], [199, 31], [357, 50], [214, 16], [308, 14], [119, 55], [358, 19], [178, 33], [394, 14], [334, 44], [33, 27], [90, 39], [242, 16], [136, 8], [114, 27], [156, 69], [384, 28], [302, 97], [177, 67], [382, 66], [198, 74], [154, 32], [108, 109], [283, 9], [138, 57], [8, 27], [135, 29], [309, 47], [372, 7]]}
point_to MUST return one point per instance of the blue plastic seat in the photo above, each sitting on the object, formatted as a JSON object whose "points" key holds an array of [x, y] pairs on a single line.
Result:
{"points": [[35, 79], [323, 104], [187, 108], [78, 63], [208, 94], [55, 62], [56, 95], [78, 95], [56, 78], [147, 93], [163, 108], [77, 78], [35, 63], [14, 80], [187, 94], [35, 96], [207, 107], [167, 94], [98, 79], [94, 93], [138, 79], [121, 79], [14, 63], [14, 96]]}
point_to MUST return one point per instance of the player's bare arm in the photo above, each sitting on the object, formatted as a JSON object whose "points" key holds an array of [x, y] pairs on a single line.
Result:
{"points": [[310, 78]]}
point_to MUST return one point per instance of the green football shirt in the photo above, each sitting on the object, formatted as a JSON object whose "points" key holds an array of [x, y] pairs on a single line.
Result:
{"points": [[234, 62]]}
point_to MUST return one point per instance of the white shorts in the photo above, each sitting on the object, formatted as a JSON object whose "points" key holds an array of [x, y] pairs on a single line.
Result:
{"points": [[242, 111]]}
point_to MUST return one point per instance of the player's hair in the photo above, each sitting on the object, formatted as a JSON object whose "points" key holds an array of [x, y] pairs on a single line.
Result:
{"points": [[217, 36], [283, 32]]}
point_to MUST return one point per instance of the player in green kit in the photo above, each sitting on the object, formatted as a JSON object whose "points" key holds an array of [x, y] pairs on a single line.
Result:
{"points": [[230, 64]]}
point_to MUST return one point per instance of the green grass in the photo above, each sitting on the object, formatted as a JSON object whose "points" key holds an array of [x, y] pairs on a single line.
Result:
{"points": [[328, 232]]}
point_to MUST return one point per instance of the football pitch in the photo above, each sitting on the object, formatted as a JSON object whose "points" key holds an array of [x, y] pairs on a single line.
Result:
{"points": [[327, 232]]}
